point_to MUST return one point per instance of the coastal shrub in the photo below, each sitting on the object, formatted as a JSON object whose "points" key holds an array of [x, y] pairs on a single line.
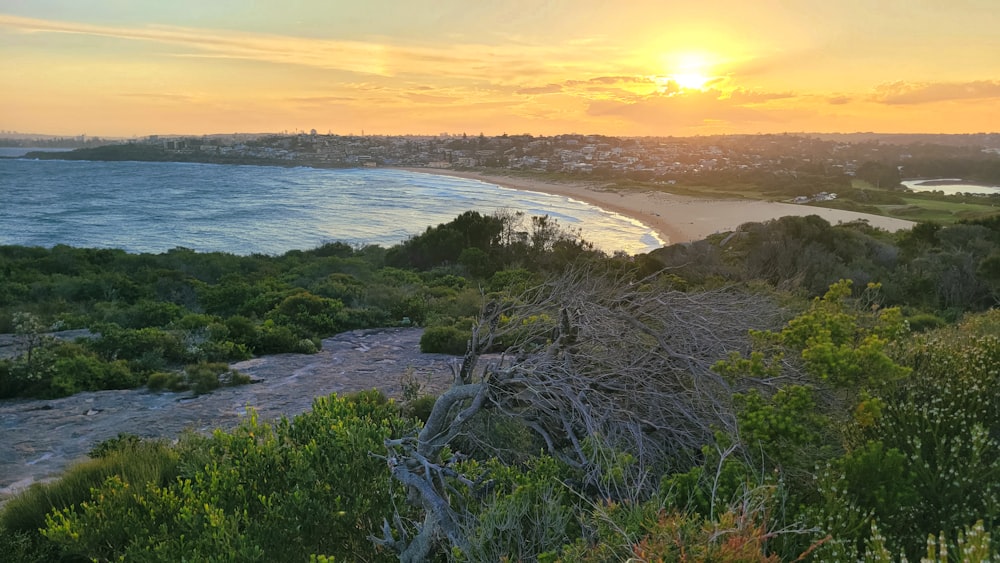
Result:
{"points": [[924, 322], [116, 342], [204, 377], [926, 458], [170, 380], [308, 314], [128, 523], [444, 340], [352, 318], [88, 373], [123, 441], [27, 547], [242, 330], [261, 492], [512, 281], [222, 350], [275, 339], [10, 386], [344, 287], [419, 408], [146, 314], [137, 462], [476, 262], [530, 511]]}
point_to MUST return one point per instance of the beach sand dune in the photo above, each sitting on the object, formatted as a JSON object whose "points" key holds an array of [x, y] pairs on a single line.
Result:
{"points": [[676, 218]]}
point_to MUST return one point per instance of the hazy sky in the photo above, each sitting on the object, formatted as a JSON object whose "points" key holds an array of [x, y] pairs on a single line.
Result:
{"points": [[618, 67]]}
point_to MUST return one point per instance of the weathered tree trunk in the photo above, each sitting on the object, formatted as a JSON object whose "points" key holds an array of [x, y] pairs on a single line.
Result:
{"points": [[594, 366]]}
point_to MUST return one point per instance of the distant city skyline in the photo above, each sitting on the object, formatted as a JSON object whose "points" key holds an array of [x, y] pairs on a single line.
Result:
{"points": [[637, 68]]}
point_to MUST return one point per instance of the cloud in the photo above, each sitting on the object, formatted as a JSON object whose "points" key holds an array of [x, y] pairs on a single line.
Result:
{"points": [[353, 56], [689, 110], [322, 99], [161, 96], [905, 93], [610, 80], [839, 100], [743, 96], [430, 98], [480, 62], [547, 89]]}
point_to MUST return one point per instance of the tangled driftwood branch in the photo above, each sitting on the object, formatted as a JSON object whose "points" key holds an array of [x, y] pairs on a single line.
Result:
{"points": [[593, 365]]}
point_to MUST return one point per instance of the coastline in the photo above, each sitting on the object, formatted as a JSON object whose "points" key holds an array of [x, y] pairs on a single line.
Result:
{"points": [[675, 218]]}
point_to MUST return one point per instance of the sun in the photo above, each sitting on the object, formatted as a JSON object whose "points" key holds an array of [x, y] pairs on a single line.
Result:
{"points": [[689, 71], [690, 80]]}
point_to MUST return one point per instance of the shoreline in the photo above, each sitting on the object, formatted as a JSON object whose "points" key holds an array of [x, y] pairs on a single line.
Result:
{"points": [[674, 218]]}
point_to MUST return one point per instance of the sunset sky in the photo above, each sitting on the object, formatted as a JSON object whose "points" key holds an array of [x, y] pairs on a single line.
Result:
{"points": [[618, 67]]}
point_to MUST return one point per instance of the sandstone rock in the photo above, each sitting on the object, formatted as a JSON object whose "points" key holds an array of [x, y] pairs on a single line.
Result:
{"points": [[40, 438]]}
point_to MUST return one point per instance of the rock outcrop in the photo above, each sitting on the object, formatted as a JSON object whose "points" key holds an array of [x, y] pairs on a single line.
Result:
{"points": [[40, 438]]}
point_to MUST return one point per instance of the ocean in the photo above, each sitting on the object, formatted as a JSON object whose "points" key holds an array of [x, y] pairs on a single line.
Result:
{"points": [[241, 209]]}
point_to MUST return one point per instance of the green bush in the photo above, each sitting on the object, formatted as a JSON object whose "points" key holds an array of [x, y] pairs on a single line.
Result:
{"points": [[925, 322], [308, 315], [275, 339], [419, 408], [444, 340], [259, 493], [134, 462], [171, 380]]}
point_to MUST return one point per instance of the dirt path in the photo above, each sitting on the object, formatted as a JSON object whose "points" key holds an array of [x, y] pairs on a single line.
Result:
{"points": [[39, 439]]}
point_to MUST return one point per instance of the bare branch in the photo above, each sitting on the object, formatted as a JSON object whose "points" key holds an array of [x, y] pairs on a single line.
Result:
{"points": [[594, 365]]}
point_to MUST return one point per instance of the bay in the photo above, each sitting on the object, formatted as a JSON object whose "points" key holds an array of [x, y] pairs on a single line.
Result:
{"points": [[240, 209]]}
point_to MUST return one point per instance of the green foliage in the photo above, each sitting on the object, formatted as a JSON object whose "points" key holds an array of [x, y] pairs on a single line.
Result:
{"points": [[444, 340], [200, 378], [924, 322], [308, 315], [132, 461], [57, 369], [123, 441], [928, 457], [528, 512], [261, 493], [838, 345], [785, 426], [128, 522], [742, 531], [900, 431], [171, 380], [722, 478], [845, 348]]}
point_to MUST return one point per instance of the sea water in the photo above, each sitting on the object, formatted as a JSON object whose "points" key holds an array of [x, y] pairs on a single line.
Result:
{"points": [[241, 209]]}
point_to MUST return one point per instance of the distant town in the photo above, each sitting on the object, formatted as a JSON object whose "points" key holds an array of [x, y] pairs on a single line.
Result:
{"points": [[880, 159]]}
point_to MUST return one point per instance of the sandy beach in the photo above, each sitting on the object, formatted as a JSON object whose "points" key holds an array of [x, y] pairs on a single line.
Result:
{"points": [[675, 218]]}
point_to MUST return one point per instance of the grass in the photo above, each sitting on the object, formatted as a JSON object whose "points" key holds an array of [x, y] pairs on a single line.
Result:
{"points": [[137, 463], [916, 206]]}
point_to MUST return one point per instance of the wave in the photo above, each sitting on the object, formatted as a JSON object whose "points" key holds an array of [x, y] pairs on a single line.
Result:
{"points": [[156, 206]]}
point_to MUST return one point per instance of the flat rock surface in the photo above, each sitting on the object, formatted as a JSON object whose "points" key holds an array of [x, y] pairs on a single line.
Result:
{"points": [[40, 438]]}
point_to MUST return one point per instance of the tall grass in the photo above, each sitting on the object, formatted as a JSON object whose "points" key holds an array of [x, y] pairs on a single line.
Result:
{"points": [[136, 463]]}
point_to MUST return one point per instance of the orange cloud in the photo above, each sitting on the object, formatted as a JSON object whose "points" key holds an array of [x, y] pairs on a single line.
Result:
{"points": [[547, 89], [903, 93], [693, 111]]}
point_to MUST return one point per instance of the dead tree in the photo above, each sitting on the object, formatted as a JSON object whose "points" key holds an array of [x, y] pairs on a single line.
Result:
{"points": [[593, 365]]}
